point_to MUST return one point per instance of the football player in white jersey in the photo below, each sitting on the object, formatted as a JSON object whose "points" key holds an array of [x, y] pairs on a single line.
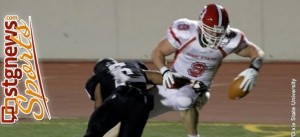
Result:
{"points": [[199, 47]]}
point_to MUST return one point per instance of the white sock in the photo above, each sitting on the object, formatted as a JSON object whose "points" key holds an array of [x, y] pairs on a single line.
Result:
{"points": [[194, 135]]}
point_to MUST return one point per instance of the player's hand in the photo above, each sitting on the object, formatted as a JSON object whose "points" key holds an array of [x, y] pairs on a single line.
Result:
{"points": [[168, 79], [250, 75], [199, 87]]}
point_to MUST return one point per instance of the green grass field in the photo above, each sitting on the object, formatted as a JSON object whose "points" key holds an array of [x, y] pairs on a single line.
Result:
{"points": [[76, 128]]}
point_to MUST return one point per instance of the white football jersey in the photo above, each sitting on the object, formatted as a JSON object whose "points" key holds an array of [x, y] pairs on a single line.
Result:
{"points": [[194, 61]]}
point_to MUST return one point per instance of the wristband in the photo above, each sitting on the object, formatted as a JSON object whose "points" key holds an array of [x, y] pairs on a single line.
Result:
{"points": [[163, 70], [256, 63]]}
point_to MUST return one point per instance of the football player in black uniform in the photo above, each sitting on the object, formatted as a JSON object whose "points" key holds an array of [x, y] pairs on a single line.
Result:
{"points": [[123, 96], [123, 89]]}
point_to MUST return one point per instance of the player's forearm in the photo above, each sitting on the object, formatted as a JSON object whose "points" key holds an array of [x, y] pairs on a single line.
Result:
{"points": [[154, 76], [256, 55]]}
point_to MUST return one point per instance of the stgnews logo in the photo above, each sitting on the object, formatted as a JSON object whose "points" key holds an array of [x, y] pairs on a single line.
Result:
{"points": [[22, 84]]}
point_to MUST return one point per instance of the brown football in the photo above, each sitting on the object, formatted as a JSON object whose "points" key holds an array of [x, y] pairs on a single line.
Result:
{"points": [[179, 82], [235, 92]]}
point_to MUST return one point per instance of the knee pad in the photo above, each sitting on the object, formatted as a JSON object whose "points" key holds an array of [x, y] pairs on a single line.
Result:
{"points": [[183, 103]]}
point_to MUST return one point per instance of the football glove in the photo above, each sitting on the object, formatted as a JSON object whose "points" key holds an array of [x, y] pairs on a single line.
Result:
{"points": [[248, 83], [168, 79], [199, 87]]}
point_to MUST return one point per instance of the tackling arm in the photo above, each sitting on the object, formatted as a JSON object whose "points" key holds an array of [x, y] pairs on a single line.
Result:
{"points": [[156, 78]]}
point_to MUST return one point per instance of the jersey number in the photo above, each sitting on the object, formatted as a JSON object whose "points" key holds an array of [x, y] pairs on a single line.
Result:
{"points": [[183, 27], [197, 69], [120, 67]]}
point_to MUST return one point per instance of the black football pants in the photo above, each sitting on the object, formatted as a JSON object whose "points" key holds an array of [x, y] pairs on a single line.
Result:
{"points": [[126, 106]]}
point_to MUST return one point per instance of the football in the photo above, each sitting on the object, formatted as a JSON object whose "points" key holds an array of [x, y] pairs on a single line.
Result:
{"points": [[235, 92], [180, 81]]}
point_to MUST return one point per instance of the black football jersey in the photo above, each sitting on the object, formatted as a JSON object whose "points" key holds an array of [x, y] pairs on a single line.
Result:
{"points": [[135, 73], [132, 69]]}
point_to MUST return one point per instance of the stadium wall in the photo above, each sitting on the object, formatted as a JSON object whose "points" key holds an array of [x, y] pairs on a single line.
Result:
{"points": [[129, 29]]}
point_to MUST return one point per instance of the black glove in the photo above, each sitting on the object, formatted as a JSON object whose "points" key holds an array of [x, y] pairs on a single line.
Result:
{"points": [[199, 87]]}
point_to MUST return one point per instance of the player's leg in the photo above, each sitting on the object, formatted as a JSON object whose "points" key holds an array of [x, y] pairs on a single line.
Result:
{"points": [[190, 116], [103, 119], [182, 99], [159, 108], [201, 101], [134, 126], [177, 99], [188, 103], [98, 102], [185, 100], [136, 118], [114, 132], [190, 121]]}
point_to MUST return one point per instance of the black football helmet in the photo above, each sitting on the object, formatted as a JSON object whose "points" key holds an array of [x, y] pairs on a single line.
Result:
{"points": [[103, 64]]}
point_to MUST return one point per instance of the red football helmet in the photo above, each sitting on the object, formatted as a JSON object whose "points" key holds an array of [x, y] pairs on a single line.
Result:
{"points": [[213, 22]]}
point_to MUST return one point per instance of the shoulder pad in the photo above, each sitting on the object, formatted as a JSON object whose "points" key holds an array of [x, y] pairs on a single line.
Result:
{"points": [[184, 24], [233, 32]]}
